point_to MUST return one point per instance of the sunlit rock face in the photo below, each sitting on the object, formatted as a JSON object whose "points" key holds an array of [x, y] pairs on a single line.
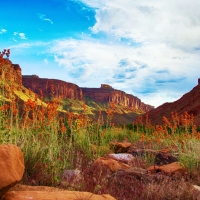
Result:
{"points": [[107, 94], [52, 87], [189, 102], [11, 72]]}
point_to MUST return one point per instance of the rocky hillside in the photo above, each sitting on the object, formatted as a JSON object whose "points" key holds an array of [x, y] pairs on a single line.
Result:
{"points": [[63, 90], [189, 102], [108, 94], [52, 87], [11, 72]]}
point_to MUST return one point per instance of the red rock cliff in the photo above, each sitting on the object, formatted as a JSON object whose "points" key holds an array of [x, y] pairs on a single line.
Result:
{"points": [[9, 71], [62, 89], [108, 94], [189, 102]]}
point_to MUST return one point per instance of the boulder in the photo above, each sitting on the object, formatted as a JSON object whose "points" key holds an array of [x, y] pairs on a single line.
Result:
{"points": [[111, 164], [21, 187], [96, 176], [169, 169], [11, 167], [122, 157], [120, 147], [196, 191], [54, 195], [163, 158], [128, 159]]}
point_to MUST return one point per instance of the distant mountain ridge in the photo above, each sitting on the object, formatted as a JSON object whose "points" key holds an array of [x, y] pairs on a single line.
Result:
{"points": [[63, 90], [108, 94], [189, 102]]}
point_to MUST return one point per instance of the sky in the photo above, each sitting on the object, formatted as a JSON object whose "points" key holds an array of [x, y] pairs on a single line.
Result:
{"points": [[147, 48]]}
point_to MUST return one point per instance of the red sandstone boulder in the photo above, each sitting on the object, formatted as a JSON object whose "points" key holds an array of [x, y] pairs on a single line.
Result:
{"points": [[49, 195], [97, 175], [11, 167], [120, 147], [169, 169], [111, 164]]}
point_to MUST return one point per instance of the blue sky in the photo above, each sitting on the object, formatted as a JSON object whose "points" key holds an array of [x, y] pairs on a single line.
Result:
{"points": [[147, 48]]}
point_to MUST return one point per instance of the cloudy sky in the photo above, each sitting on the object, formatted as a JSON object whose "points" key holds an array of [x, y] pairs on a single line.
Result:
{"points": [[148, 48]]}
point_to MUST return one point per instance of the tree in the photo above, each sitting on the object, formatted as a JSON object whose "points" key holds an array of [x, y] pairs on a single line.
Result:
{"points": [[5, 52]]}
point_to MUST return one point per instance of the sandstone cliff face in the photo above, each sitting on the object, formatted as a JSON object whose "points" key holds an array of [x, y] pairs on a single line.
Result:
{"points": [[189, 102], [118, 97], [11, 72], [62, 89]]}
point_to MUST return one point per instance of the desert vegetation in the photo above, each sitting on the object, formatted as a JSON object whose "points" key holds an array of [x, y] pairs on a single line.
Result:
{"points": [[53, 139]]}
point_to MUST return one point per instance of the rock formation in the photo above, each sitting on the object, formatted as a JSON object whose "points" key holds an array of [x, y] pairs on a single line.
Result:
{"points": [[63, 90], [108, 94], [52, 87], [49, 195], [11, 72], [189, 102], [11, 167]]}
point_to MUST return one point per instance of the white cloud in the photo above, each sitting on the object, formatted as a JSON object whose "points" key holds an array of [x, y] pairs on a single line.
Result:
{"points": [[29, 45], [3, 31], [46, 61], [167, 36], [43, 17], [22, 36], [175, 23]]}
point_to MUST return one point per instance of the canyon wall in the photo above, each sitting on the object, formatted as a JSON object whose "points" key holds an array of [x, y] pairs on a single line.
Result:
{"points": [[189, 102], [108, 94], [11, 72], [52, 87], [63, 90]]}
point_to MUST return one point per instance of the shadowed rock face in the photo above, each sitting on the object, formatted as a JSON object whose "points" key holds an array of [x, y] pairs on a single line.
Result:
{"points": [[52, 87], [189, 102], [11, 71], [116, 96]]}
